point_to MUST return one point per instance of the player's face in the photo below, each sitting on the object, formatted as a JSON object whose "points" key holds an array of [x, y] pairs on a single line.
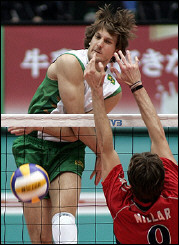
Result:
{"points": [[104, 45]]}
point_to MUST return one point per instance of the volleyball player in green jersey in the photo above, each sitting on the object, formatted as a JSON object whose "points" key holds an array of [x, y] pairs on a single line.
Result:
{"points": [[61, 151]]}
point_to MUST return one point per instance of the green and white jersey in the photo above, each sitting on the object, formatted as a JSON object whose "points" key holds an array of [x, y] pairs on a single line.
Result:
{"points": [[110, 87], [47, 97]]}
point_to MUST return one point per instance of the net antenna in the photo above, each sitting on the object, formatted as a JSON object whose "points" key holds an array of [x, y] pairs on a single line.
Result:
{"points": [[80, 120]]}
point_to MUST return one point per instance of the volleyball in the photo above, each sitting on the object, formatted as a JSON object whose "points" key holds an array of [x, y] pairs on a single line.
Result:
{"points": [[30, 183]]}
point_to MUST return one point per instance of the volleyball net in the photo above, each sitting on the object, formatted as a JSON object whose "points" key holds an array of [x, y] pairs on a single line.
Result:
{"points": [[80, 120], [93, 219]]}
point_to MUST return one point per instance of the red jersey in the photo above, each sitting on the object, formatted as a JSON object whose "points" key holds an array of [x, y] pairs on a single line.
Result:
{"points": [[132, 224]]}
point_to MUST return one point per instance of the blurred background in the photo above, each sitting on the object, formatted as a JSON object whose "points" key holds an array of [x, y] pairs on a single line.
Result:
{"points": [[84, 11], [34, 33]]}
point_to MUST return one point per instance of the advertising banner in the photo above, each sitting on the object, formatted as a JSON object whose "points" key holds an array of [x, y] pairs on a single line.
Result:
{"points": [[29, 50]]}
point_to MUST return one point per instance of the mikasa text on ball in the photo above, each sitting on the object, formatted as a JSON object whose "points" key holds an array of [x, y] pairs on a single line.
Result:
{"points": [[30, 183]]}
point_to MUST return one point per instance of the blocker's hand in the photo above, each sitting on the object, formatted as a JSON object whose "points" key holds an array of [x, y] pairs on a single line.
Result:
{"points": [[18, 131], [97, 171], [130, 72], [94, 74]]}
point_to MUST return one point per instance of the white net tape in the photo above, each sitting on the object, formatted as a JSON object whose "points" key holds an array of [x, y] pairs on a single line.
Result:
{"points": [[80, 120]]}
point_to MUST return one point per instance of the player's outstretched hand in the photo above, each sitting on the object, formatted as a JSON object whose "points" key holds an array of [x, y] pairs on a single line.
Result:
{"points": [[130, 72], [94, 74]]}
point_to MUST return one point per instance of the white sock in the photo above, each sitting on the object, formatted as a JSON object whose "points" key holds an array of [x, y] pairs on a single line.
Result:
{"points": [[64, 230]]}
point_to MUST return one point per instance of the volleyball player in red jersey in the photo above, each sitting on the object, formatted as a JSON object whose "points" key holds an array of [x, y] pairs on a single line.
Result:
{"points": [[146, 211]]}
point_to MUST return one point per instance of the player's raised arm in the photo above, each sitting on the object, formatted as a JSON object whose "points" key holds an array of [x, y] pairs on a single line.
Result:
{"points": [[130, 74], [94, 75]]}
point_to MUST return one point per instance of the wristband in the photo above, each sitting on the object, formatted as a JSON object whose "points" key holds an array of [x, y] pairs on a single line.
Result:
{"points": [[135, 84], [136, 88]]}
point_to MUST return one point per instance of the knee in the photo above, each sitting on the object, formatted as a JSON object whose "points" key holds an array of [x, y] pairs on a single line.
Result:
{"points": [[64, 230]]}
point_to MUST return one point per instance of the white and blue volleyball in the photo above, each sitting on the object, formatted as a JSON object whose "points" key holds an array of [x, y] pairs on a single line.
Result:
{"points": [[30, 183]]}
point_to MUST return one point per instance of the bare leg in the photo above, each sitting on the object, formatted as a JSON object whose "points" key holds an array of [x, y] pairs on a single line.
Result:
{"points": [[65, 192], [64, 196], [38, 219]]}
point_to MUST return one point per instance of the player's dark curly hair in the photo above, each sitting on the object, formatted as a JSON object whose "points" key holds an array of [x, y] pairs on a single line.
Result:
{"points": [[120, 23], [146, 176]]}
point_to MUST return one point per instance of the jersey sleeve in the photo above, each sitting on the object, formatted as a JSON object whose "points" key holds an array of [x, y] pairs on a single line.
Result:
{"points": [[115, 189], [171, 178]]}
